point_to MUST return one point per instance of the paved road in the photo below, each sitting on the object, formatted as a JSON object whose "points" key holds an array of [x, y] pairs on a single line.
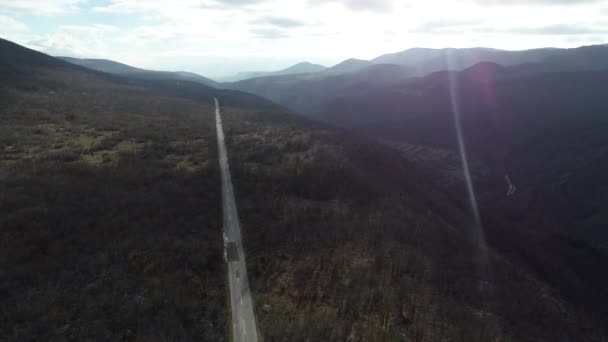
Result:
{"points": [[243, 319]]}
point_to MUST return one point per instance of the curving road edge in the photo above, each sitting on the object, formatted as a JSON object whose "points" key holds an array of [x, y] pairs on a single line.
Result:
{"points": [[243, 319]]}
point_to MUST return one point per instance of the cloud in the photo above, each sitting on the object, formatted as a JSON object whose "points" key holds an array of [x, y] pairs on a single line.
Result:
{"points": [[447, 25], [361, 5], [135, 6], [189, 34], [560, 29], [279, 22], [74, 40], [533, 2], [8, 24], [269, 33], [238, 2], [44, 7]]}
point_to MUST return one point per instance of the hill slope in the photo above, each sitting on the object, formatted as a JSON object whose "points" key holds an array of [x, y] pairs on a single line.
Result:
{"points": [[430, 60], [111, 225], [309, 93], [300, 93], [546, 130], [113, 67]]}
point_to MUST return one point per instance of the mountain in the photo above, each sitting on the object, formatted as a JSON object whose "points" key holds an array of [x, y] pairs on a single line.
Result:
{"points": [[15, 56], [547, 131], [103, 65], [426, 61], [353, 78], [347, 66], [300, 68], [111, 225], [308, 93], [585, 58], [117, 68], [541, 122]]}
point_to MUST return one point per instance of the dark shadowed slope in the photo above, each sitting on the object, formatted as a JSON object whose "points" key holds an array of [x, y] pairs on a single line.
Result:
{"points": [[14, 56], [116, 68], [109, 207], [546, 130]]}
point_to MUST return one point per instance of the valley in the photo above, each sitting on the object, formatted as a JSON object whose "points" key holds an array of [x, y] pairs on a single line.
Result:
{"points": [[117, 200]]}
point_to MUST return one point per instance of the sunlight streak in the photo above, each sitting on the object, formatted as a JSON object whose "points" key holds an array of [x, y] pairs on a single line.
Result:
{"points": [[477, 231]]}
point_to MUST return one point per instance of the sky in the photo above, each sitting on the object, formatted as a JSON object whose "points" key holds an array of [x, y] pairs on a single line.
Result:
{"points": [[218, 38]]}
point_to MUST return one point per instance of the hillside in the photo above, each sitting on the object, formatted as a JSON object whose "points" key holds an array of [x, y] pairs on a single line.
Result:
{"points": [[111, 223], [309, 93], [117, 68], [426, 61], [344, 237], [532, 126], [317, 94], [545, 128]]}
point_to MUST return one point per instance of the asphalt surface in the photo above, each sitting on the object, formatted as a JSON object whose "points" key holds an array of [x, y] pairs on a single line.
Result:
{"points": [[243, 318]]}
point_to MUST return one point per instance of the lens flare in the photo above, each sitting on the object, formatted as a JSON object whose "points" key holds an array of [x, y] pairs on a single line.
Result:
{"points": [[477, 229]]}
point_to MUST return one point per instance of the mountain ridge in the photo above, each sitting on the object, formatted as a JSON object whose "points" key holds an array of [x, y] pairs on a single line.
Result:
{"points": [[298, 68], [118, 68]]}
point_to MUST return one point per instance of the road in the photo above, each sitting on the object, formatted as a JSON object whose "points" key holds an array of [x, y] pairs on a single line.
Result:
{"points": [[243, 319]]}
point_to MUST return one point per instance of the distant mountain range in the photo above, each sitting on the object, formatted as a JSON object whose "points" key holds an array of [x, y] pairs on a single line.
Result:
{"points": [[311, 93], [117, 68], [300, 68], [418, 61], [425, 61], [347, 66]]}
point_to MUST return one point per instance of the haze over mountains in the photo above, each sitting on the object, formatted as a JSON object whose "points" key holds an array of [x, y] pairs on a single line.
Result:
{"points": [[111, 219], [311, 93], [300, 68]]}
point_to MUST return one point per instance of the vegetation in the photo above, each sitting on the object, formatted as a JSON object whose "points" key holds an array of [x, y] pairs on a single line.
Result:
{"points": [[110, 225], [347, 241], [110, 217]]}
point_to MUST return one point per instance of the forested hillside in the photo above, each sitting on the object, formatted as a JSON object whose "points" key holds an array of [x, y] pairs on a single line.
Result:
{"points": [[110, 220]]}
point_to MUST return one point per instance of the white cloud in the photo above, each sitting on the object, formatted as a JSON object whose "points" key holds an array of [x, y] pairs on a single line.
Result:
{"points": [[362, 5], [534, 2], [217, 37], [10, 25], [74, 40], [46, 7]]}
